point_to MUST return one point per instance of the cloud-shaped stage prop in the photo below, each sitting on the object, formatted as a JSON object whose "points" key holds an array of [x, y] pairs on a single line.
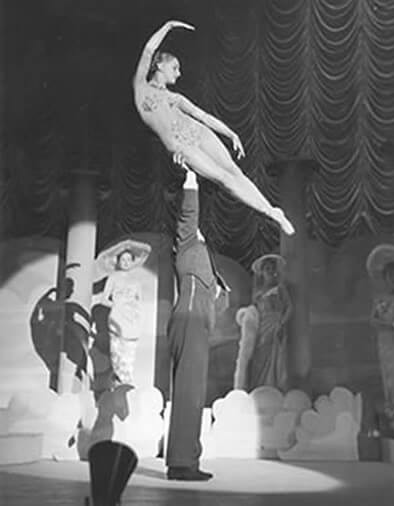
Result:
{"points": [[269, 424], [329, 431]]}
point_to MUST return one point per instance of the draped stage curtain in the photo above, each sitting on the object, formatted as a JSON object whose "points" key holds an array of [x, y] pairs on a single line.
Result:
{"points": [[309, 79]]}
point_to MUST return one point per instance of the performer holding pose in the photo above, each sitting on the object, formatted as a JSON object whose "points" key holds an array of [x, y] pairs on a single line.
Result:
{"points": [[123, 296], [185, 128], [190, 325]]}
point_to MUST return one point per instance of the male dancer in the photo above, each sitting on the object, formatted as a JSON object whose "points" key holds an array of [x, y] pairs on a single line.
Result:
{"points": [[192, 321]]}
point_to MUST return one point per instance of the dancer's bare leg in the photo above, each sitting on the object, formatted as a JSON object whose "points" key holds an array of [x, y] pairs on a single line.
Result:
{"points": [[233, 179], [215, 149]]}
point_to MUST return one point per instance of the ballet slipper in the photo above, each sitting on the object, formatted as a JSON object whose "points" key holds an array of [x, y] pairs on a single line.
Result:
{"points": [[279, 216], [287, 227]]}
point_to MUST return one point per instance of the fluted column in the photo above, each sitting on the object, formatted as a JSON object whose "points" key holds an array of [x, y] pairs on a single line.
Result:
{"points": [[79, 264], [293, 176], [3, 83]]}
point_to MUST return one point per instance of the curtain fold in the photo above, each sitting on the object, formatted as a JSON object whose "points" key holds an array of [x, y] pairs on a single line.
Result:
{"points": [[295, 79]]}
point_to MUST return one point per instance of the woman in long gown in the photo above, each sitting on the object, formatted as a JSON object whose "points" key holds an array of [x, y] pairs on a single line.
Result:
{"points": [[187, 131], [262, 355], [122, 293], [380, 265]]}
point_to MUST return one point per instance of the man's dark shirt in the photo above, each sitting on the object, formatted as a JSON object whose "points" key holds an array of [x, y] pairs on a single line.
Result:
{"points": [[192, 254]]}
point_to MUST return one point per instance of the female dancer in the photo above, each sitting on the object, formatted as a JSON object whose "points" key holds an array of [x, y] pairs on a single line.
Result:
{"points": [[380, 265], [122, 293], [262, 353], [187, 131]]}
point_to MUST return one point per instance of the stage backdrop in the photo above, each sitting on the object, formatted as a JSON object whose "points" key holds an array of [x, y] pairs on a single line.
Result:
{"points": [[28, 270], [30, 318], [343, 344], [344, 347], [30, 321], [295, 78]]}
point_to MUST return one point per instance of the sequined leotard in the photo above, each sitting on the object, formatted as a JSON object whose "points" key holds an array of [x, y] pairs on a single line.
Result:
{"points": [[161, 110]]}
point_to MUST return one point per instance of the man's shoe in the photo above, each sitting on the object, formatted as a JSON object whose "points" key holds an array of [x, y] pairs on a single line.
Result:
{"points": [[187, 474]]}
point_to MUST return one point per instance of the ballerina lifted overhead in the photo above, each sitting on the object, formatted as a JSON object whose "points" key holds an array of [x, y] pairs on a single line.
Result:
{"points": [[187, 131]]}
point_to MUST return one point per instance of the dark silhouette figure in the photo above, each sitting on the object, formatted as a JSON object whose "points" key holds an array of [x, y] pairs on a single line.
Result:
{"points": [[58, 325]]}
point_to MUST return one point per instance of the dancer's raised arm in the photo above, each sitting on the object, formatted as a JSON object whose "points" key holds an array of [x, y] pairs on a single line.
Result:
{"points": [[151, 46], [187, 225]]}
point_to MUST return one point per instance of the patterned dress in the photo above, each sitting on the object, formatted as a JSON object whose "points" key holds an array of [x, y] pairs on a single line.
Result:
{"points": [[125, 325], [268, 363], [384, 320]]}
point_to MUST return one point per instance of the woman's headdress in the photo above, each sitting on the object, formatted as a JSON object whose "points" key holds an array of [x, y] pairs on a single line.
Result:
{"points": [[377, 260], [279, 261], [107, 260]]}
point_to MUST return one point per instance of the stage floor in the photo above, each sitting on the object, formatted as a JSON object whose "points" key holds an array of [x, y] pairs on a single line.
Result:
{"points": [[236, 483]]}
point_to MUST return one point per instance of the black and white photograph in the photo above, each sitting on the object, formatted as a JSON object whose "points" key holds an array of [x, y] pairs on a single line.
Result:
{"points": [[197, 252]]}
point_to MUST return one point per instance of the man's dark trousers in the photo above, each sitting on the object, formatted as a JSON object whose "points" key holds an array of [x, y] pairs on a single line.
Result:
{"points": [[189, 328]]}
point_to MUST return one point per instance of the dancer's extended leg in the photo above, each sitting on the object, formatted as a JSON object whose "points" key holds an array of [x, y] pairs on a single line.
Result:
{"points": [[235, 181]]}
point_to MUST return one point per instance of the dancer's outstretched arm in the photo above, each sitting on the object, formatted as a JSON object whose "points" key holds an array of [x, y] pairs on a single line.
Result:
{"points": [[151, 46], [210, 121]]}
